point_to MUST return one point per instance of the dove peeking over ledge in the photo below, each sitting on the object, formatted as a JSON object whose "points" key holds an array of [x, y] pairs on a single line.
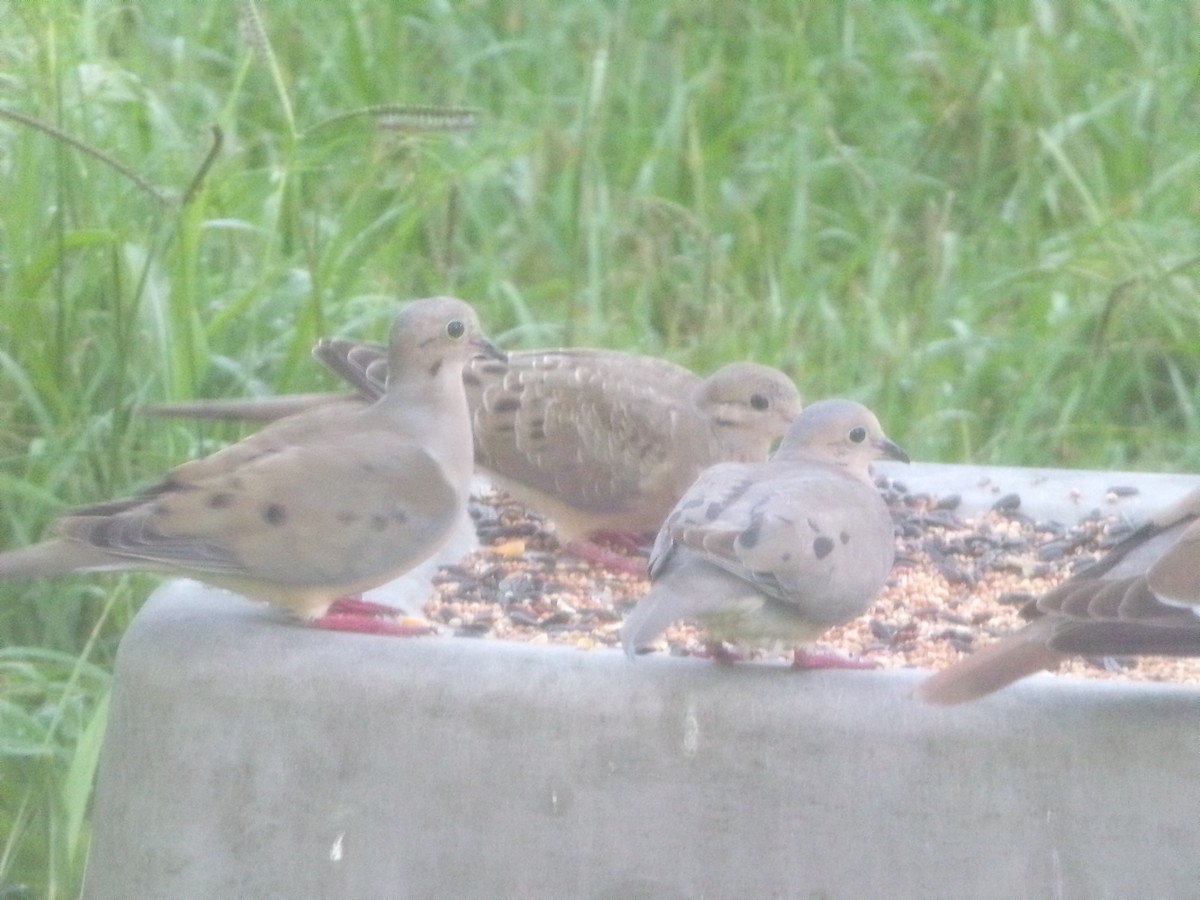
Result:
{"points": [[777, 552], [1142, 598], [317, 506], [602, 442]]}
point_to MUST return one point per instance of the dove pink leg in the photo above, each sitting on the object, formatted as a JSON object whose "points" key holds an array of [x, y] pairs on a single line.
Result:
{"points": [[616, 550], [364, 617]]}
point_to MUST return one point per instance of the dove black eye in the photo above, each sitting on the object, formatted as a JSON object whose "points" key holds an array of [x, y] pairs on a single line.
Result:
{"points": [[759, 401], [858, 435], [456, 329]]}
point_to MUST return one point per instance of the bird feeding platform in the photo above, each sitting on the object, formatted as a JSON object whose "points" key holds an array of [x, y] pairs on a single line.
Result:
{"points": [[249, 756]]}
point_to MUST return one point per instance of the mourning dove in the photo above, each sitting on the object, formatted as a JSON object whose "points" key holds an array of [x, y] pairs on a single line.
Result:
{"points": [[315, 507], [1142, 598], [600, 441], [777, 551]]}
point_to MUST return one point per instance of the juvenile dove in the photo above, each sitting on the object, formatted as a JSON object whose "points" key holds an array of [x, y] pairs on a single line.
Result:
{"points": [[313, 508], [1142, 598], [777, 552], [602, 442]]}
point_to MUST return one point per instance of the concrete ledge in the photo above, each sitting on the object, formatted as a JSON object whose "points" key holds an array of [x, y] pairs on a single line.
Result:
{"points": [[250, 757]]}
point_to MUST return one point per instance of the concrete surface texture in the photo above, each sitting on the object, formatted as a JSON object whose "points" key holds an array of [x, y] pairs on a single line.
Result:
{"points": [[250, 757]]}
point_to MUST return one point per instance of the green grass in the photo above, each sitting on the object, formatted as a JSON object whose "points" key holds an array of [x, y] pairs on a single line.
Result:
{"points": [[979, 217]]}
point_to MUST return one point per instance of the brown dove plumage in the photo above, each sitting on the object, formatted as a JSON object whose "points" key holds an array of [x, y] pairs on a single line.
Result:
{"points": [[315, 507], [1143, 597], [599, 440], [777, 552]]}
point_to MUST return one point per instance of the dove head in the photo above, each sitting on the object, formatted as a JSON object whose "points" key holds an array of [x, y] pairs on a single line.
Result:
{"points": [[750, 408], [433, 336], [841, 433]]}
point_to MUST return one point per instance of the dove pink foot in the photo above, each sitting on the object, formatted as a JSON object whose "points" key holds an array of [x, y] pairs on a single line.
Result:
{"points": [[614, 550], [805, 660], [626, 541], [360, 616]]}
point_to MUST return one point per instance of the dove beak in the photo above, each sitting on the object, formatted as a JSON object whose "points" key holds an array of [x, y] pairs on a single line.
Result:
{"points": [[488, 349], [888, 450]]}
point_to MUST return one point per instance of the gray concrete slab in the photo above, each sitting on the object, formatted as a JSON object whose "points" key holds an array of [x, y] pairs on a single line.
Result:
{"points": [[250, 757]]}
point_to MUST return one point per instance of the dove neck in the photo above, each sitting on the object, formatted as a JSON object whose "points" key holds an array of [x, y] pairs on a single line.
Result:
{"points": [[803, 456], [425, 402], [737, 440]]}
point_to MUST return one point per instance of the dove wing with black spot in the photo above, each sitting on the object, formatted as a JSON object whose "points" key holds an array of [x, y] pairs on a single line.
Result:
{"points": [[781, 550], [327, 503], [794, 534], [248, 521]]}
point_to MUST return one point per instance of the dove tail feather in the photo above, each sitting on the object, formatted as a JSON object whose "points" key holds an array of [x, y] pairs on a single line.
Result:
{"points": [[53, 558], [259, 409], [992, 668], [648, 620]]}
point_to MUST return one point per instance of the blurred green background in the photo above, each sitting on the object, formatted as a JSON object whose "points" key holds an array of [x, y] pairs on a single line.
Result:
{"points": [[980, 218]]}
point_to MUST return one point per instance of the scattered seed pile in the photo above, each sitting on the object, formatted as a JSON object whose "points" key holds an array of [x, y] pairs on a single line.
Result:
{"points": [[957, 583]]}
